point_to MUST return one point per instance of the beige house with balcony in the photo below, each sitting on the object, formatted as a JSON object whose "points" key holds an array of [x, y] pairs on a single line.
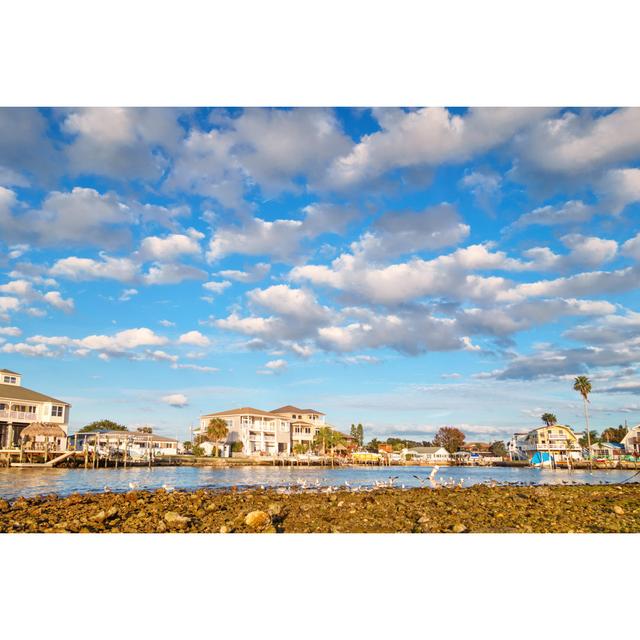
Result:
{"points": [[557, 440], [19, 407], [261, 432], [268, 432], [305, 423]]}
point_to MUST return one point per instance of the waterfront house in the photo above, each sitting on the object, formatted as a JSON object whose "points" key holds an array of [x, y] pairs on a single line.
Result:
{"points": [[138, 445], [515, 448], [19, 407], [607, 450], [631, 442], [557, 441], [274, 432], [305, 424], [260, 432], [430, 455]]}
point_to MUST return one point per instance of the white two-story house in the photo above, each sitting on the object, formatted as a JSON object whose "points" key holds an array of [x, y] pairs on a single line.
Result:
{"points": [[19, 407], [258, 431]]}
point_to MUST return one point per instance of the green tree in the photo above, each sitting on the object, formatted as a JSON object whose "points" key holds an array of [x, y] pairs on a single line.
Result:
{"points": [[549, 419], [614, 434], [360, 434], [217, 431], [498, 448], [373, 445], [144, 430], [582, 385], [450, 438], [586, 440], [187, 444], [198, 450], [102, 425], [327, 438]]}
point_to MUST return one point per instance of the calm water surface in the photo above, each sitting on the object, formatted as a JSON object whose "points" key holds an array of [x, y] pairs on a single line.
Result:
{"points": [[30, 482]]}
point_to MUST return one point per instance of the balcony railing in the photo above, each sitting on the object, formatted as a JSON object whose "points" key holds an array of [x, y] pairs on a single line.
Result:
{"points": [[18, 415], [552, 445], [260, 426]]}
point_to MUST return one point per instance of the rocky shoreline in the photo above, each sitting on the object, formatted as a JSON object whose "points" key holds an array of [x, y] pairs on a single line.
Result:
{"points": [[477, 509]]}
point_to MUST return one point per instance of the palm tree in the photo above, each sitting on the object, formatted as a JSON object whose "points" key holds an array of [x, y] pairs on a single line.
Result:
{"points": [[217, 430], [582, 385], [327, 438], [549, 419]]}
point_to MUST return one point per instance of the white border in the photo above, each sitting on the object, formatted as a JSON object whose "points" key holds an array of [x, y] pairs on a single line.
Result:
{"points": [[286, 52], [308, 52]]}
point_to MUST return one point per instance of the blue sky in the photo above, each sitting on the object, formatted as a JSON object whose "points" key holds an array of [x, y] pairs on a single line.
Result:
{"points": [[404, 268]]}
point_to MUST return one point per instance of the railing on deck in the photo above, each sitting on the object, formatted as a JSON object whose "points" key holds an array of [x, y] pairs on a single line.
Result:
{"points": [[17, 415]]}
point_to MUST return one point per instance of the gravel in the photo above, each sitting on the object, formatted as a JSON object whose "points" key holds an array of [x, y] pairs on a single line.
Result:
{"points": [[477, 509]]}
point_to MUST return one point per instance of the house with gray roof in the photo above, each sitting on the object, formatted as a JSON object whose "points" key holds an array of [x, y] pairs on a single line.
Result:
{"points": [[20, 407]]}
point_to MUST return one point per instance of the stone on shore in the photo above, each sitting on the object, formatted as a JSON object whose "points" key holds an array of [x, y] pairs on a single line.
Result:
{"points": [[257, 519], [176, 520]]}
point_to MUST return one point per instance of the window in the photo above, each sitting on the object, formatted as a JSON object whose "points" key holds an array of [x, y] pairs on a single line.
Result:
{"points": [[9, 379], [57, 411]]}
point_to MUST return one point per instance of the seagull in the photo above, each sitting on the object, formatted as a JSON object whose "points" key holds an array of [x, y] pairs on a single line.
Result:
{"points": [[392, 479], [167, 487], [133, 485], [106, 488]]}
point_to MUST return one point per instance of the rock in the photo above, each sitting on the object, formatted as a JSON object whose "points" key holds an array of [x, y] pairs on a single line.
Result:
{"points": [[4, 505], [618, 510], [162, 527], [175, 519], [99, 517], [274, 509], [257, 519], [458, 528], [224, 529]]}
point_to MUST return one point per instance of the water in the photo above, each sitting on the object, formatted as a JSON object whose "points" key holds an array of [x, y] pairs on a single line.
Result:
{"points": [[30, 482]]}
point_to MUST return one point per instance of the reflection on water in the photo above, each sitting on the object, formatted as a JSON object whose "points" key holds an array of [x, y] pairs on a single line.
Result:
{"points": [[30, 482]]}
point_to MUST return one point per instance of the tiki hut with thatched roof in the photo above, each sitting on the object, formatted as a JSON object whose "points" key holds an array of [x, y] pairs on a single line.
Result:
{"points": [[45, 436]]}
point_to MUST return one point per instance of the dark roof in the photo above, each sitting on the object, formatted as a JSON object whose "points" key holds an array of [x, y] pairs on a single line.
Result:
{"points": [[15, 392], [15, 373], [615, 445], [288, 408]]}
